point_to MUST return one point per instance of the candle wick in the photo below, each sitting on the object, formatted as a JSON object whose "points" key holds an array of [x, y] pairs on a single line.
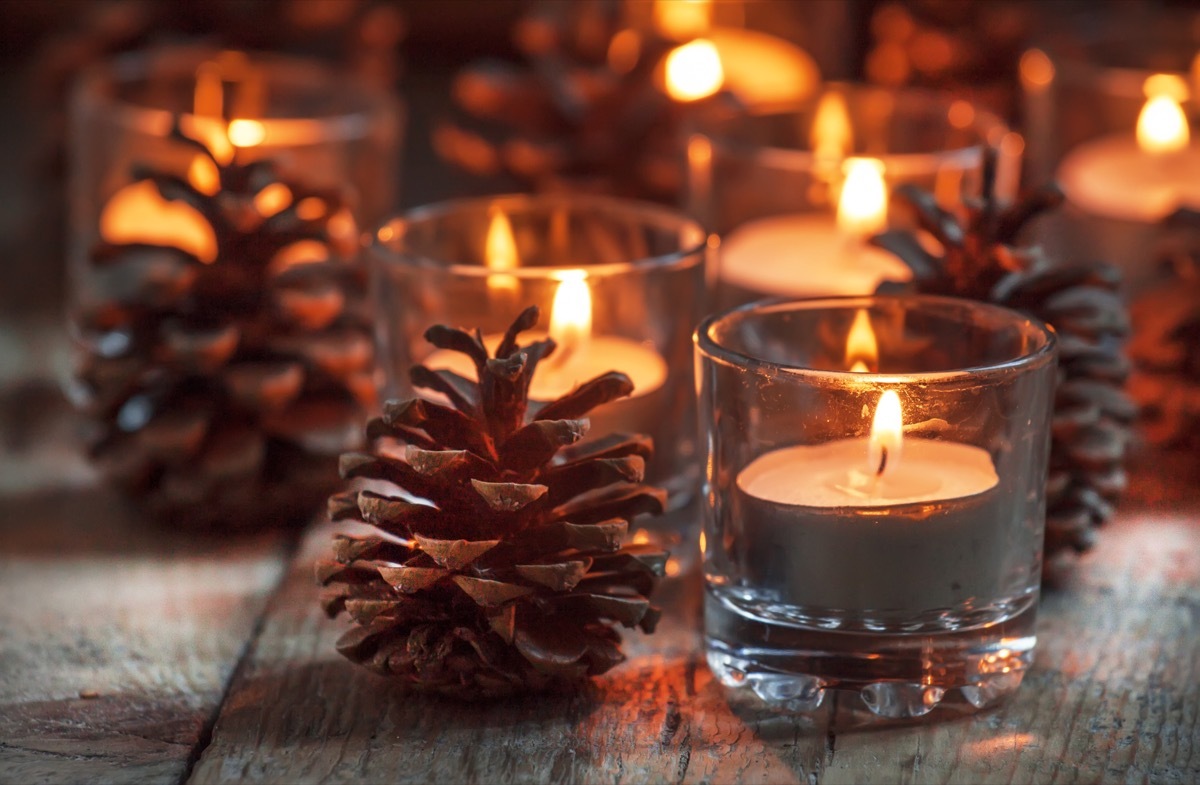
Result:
{"points": [[883, 458]]}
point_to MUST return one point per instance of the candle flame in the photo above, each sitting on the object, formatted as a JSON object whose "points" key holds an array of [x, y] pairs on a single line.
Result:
{"points": [[887, 434], [1162, 126], [683, 19], [832, 135], [571, 315], [862, 351], [694, 71], [862, 208], [246, 133], [500, 255]]}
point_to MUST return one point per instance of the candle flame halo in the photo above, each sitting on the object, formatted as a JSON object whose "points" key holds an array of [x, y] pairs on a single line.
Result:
{"points": [[831, 135], [694, 71], [683, 19], [571, 316], [862, 350], [500, 255], [887, 435], [863, 205], [1162, 126]]}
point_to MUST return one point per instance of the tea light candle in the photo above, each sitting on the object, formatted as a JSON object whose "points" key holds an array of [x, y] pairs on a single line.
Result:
{"points": [[1120, 187], [847, 549], [1142, 177], [817, 254], [580, 355], [866, 523]]}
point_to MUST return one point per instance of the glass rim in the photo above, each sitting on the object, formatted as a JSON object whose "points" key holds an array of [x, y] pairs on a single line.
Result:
{"points": [[707, 345], [985, 123], [1091, 63], [511, 204], [367, 102]]}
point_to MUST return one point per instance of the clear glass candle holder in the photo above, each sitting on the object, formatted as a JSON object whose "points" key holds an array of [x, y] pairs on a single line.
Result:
{"points": [[875, 495], [795, 191], [620, 284], [1084, 93], [217, 295]]}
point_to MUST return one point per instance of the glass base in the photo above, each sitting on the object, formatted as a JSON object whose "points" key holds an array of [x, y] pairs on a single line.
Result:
{"points": [[893, 674]]}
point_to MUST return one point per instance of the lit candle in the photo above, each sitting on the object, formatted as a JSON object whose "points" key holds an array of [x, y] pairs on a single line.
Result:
{"points": [[817, 254], [874, 522], [1143, 176], [581, 354], [760, 69], [1120, 187], [138, 213]]}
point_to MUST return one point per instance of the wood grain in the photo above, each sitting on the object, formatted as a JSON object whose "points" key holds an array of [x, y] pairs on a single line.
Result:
{"points": [[117, 639], [1113, 697]]}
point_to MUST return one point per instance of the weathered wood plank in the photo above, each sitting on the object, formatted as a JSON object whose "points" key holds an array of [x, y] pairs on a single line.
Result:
{"points": [[1114, 696], [117, 638], [1115, 693], [298, 712]]}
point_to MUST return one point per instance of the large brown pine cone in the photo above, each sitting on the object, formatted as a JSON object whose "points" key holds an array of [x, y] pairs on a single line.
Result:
{"points": [[1092, 412], [1166, 341], [513, 580], [222, 389], [583, 114]]}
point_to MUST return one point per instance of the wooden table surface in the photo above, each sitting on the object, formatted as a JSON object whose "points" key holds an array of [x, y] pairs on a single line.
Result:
{"points": [[133, 653]]}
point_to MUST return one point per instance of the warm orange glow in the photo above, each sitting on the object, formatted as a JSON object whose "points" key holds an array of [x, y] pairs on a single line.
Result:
{"points": [[1037, 70], [246, 133], [862, 208], [299, 252], [862, 352], [703, 542], [694, 71], [571, 315], [1162, 127], [887, 434], [139, 214], [961, 114], [311, 208], [683, 19], [831, 136], [500, 254], [203, 175], [624, 51], [272, 199], [1169, 85]]}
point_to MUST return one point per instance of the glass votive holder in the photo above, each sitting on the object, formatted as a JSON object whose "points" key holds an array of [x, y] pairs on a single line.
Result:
{"points": [[217, 295], [875, 495], [1107, 116], [795, 191], [620, 284]]}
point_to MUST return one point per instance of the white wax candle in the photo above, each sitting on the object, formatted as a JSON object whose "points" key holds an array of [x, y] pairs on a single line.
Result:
{"points": [[600, 354], [1114, 178], [836, 475], [930, 535], [805, 255]]}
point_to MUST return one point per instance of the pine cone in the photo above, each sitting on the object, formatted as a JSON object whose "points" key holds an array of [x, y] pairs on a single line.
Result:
{"points": [[513, 580], [1092, 413], [1166, 342], [585, 114], [222, 389]]}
